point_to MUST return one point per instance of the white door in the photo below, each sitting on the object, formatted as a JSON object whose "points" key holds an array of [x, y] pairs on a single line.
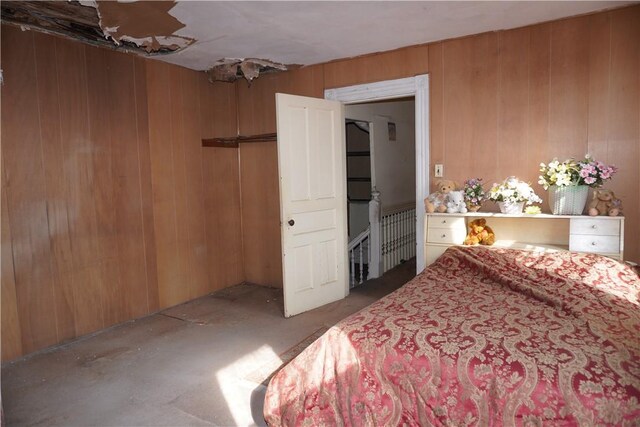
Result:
{"points": [[313, 201]]}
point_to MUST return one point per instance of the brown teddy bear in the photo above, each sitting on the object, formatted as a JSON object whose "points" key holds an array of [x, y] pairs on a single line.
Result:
{"points": [[480, 233], [437, 202], [604, 202]]}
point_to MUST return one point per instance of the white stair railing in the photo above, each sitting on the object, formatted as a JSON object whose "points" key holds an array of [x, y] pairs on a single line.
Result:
{"points": [[398, 236], [375, 266], [359, 255]]}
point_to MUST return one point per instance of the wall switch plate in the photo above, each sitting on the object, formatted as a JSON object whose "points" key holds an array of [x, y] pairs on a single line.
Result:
{"points": [[439, 170]]}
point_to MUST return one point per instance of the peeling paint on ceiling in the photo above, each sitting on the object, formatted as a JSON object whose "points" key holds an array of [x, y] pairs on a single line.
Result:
{"points": [[231, 69], [143, 27], [147, 24]]}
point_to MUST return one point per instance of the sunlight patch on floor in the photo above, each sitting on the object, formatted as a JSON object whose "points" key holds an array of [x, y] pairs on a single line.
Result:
{"points": [[234, 385]]}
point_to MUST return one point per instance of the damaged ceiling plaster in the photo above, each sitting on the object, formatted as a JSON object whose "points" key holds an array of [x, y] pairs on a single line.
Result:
{"points": [[146, 24], [145, 28], [229, 70]]}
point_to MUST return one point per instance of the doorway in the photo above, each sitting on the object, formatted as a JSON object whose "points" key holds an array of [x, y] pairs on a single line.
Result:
{"points": [[417, 87], [380, 150]]}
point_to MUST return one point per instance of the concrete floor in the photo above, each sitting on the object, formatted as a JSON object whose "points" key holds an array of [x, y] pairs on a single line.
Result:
{"points": [[199, 363]]}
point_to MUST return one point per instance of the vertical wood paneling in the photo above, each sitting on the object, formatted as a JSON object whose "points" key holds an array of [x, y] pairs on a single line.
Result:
{"points": [[183, 288], [599, 75], [436, 110], [564, 89], [225, 109], [101, 164], [257, 102], [188, 207], [457, 104], [111, 209], [394, 64], [218, 109], [194, 175], [569, 87], [103, 153], [307, 81], [57, 187], [10, 321], [484, 103], [129, 299], [144, 180], [222, 185], [513, 104], [25, 188], [224, 229], [261, 213], [163, 179], [471, 106], [539, 148], [82, 179], [623, 111]]}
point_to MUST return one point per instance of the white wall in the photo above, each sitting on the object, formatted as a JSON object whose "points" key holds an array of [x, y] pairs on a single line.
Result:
{"points": [[358, 218], [393, 169]]}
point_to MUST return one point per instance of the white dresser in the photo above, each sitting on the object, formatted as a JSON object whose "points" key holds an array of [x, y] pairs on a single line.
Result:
{"points": [[600, 234]]}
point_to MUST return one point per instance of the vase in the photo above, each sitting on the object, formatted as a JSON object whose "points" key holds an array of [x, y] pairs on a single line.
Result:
{"points": [[568, 200], [511, 207]]}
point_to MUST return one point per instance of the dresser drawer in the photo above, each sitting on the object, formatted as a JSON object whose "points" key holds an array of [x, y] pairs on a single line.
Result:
{"points": [[453, 222], [594, 226], [447, 235], [594, 244]]}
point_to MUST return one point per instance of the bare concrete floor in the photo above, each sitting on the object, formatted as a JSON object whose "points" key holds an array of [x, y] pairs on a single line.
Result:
{"points": [[199, 363]]}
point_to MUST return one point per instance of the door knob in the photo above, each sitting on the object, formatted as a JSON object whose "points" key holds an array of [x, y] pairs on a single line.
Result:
{"points": [[291, 222]]}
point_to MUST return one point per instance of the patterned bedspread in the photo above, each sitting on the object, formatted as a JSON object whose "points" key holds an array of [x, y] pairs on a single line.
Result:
{"points": [[482, 337]]}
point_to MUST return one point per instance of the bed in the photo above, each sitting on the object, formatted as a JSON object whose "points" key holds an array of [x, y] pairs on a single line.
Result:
{"points": [[482, 337]]}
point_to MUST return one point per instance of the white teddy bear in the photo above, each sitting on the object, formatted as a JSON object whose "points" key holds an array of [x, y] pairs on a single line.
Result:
{"points": [[455, 202]]}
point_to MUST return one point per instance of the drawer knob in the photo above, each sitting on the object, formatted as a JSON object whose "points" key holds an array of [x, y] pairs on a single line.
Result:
{"points": [[593, 243], [444, 235], [594, 226], [444, 221]]}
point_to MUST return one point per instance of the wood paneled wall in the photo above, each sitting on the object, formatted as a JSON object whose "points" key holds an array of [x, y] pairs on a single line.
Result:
{"points": [[111, 209], [74, 206], [394, 64], [221, 168], [503, 102]]}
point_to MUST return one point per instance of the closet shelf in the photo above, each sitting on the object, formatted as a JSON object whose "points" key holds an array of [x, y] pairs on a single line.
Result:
{"points": [[233, 142]]}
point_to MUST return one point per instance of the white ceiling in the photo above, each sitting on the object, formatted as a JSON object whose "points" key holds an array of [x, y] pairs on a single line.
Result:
{"points": [[310, 32]]}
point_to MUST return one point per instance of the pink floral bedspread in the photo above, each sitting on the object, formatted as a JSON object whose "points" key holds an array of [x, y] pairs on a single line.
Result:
{"points": [[482, 337]]}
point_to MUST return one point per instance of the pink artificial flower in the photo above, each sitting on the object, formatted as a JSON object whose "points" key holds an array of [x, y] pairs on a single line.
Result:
{"points": [[589, 180], [584, 173]]}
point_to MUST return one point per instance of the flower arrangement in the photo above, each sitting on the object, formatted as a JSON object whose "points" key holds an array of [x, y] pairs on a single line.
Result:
{"points": [[512, 190], [571, 172], [473, 193]]}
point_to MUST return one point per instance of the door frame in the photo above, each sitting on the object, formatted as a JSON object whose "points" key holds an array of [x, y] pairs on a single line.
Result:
{"points": [[417, 87]]}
